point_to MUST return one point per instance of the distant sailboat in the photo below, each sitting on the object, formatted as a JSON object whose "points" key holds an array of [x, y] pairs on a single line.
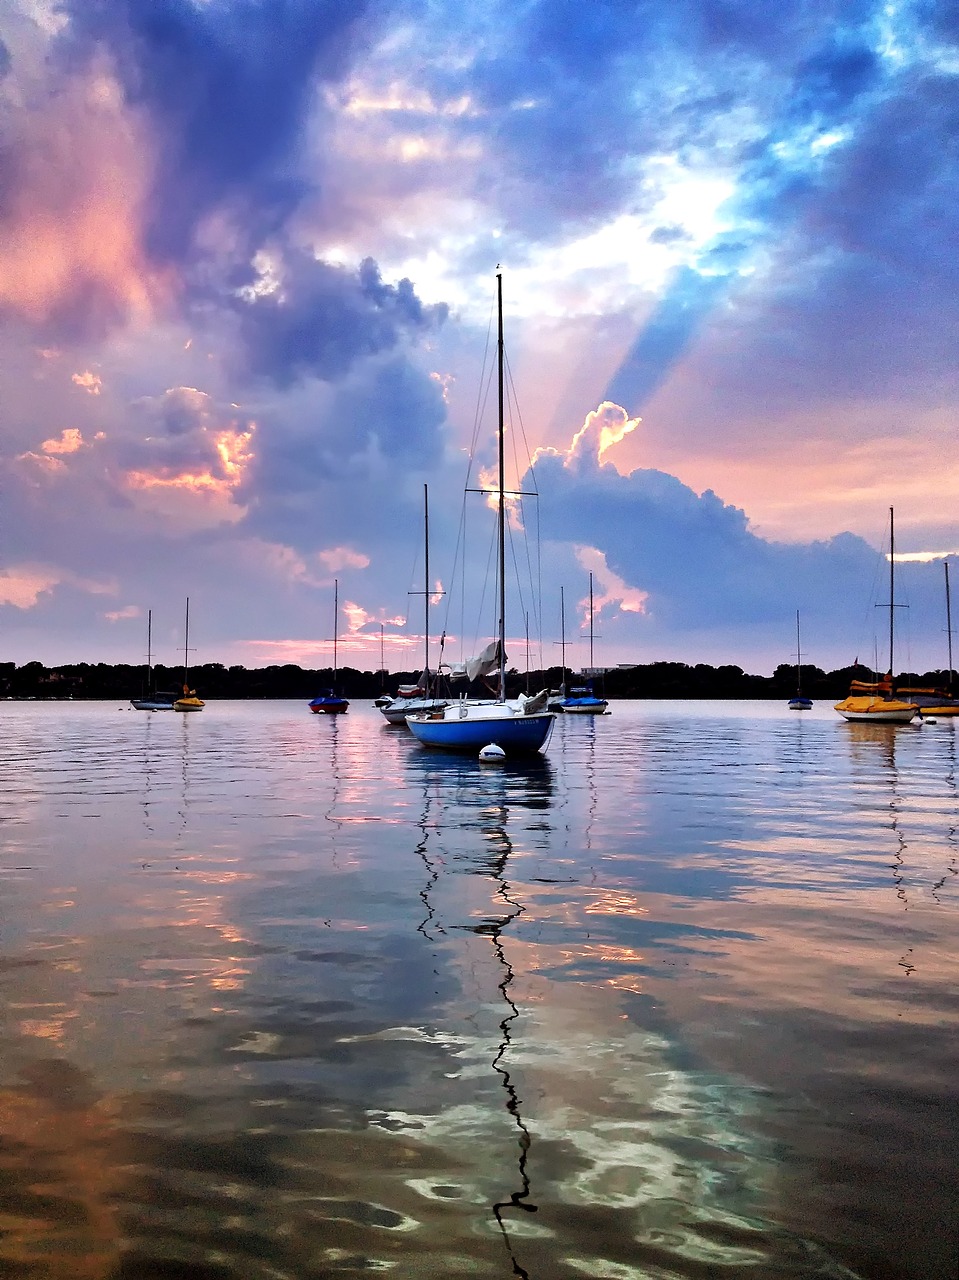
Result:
{"points": [[558, 696], [327, 701], [581, 699], [799, 702], [151, 700], [188, 701], [417, 698], [876, 703], [939, 702], [521, 726]]}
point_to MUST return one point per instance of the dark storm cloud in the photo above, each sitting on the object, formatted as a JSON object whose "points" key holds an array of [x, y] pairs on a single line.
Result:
{"points": [[322, 318], [695, 555], [227, 85]]}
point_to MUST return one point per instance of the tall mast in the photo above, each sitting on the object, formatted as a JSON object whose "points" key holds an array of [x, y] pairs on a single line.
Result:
{"points": [[501, 508], [591, 624], [336, 609], [426, 593], [562, 632], [186, 646], [150, 648], [798, 659], [892, 591], [945, 565]]}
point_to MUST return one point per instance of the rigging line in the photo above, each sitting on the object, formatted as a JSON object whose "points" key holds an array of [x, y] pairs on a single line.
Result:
{"points": [[514, 402], [527, 470], [516, 573], [482, 392]]}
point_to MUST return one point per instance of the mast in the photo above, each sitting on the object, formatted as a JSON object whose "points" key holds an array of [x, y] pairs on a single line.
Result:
{"points": [[562, 632], [426, 593], [798, 660], [501, 506], [150, 649], [336, 609], [892, 593], [591, 625], [186, 648], [945, 565]]}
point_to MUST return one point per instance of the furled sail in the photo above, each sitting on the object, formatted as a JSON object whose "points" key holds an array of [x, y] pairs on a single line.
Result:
{"points": [[475, 668]]}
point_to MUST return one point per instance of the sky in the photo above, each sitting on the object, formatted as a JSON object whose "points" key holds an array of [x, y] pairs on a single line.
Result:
{"points": [[248, 256]]}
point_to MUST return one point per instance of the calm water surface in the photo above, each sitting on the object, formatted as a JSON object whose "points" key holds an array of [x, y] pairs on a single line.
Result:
{"points": [[289, 996]]}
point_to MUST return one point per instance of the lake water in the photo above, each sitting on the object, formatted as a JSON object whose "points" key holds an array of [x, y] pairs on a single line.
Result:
{"points": [[292, 996]]}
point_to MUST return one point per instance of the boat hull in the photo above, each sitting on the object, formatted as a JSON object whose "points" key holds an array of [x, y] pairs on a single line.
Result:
{"points": [[329, 707], [189, 704], [800, 704], [516, 734], [584, 707], [396, 711], [152, 704], [877, 711]]}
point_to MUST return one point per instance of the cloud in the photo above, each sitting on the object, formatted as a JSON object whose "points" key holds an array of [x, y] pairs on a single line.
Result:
{"points": [[226, 89], [317, 319], [23, 585]]}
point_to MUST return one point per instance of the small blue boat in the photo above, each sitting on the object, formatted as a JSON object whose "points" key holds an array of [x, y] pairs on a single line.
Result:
{"points": [[800, 702], [582, 701], [326, 702]]}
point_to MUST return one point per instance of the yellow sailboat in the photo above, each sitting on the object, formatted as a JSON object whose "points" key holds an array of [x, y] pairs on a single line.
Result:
{"points": [[876, 703], [189, 701]]}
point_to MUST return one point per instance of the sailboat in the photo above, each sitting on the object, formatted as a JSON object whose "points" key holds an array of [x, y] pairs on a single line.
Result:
{"points": [[151, 700], [519, 726], [582, 700], [876, 703], [799, 702], [411, 699], [558, 696], [188, 701], [939, 702], [327, 701]]}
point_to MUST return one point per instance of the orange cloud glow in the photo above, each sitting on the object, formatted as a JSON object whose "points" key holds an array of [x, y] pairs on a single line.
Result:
{"points": [[23, 585], [89, 382], [336, 558], [612, 589], [74, 218], [69, 442]]}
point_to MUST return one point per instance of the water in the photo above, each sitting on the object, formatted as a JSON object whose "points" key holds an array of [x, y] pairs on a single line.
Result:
{"points": [[289, 996]]}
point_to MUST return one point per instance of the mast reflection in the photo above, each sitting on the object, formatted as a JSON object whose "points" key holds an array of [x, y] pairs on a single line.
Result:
{"points": [[453, 785]]}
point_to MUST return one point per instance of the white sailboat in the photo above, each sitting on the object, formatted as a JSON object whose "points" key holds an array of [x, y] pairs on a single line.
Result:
{"points": [[519, 726], [152, 700], [876, 702]]}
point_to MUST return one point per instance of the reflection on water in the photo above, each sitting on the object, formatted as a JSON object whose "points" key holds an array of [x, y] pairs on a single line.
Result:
{"points": [[290, 996]]}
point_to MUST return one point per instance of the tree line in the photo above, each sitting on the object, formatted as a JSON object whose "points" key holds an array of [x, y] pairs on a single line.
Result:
{"points": [[103, 681]]}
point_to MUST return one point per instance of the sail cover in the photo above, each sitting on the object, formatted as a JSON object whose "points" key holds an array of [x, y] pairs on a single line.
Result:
{"points": [[475, 668]]}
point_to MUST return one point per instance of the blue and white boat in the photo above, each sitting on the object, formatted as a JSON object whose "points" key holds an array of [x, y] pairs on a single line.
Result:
{"points": [[800, 702], [581, 700], [520, 726], [152, 699]]}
